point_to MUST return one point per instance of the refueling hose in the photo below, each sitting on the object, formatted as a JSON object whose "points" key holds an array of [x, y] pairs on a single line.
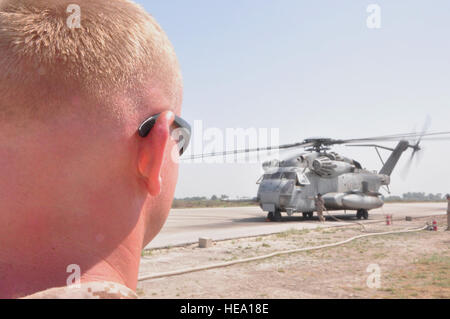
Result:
{"points": [[343, 221], [285, 252]]}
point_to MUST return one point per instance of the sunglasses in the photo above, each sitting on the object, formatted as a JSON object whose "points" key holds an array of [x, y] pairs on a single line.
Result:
{"points": [[182, 125]]}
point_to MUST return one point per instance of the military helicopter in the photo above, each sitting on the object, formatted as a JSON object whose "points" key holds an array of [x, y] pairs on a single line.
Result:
{"points": [[290, 185]]}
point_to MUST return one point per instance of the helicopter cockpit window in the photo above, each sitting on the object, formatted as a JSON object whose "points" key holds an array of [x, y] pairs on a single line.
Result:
{"points": [[276, 176], [289, 175], [302, 179], [269, 176]]}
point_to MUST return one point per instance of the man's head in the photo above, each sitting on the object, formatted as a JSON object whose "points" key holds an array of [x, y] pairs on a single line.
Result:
{"points": [[76, 178], [108, 50], [447, 196]]}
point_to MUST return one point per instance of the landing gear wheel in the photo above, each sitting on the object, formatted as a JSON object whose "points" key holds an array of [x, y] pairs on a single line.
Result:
{"points": [[308, 215], [274, 216], [362, 213], [365, 214], [277, 215], [359, 214]]}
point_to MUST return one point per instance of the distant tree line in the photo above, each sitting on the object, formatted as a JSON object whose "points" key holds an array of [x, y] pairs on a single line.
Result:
{"points": [[213, 201], [204, 198], [416, 197]]}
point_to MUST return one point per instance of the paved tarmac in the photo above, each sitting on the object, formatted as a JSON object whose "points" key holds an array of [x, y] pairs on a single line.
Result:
{"points": [[185, 226]]}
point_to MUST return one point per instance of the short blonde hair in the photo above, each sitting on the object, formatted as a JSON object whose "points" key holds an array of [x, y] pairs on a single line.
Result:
{"points": [[116, 47]]}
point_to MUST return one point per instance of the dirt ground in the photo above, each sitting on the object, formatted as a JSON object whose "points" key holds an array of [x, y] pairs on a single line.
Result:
{"points": [[411, 265]]}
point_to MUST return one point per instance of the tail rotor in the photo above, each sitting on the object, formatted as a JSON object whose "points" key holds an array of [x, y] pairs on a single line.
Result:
{"points": [[416, 149]]}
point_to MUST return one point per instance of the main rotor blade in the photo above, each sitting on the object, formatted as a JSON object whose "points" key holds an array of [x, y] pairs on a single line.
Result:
{"points": [[436, 138], [311, 142], [388, 138], [427, 139], [259, 149]]}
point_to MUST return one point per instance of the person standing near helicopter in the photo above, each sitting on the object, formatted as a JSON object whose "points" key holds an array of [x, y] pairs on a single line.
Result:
{"points": [[320, 206], [448, 211]]}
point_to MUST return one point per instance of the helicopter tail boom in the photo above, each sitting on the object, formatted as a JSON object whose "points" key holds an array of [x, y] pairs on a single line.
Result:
{"points": [[392, 161]]}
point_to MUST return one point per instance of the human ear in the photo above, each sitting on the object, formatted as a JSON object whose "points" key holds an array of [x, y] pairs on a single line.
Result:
{"points": [[151, 152]]}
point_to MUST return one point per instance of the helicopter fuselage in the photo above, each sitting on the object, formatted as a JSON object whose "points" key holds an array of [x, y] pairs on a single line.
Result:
{"points": [[291, 186]]}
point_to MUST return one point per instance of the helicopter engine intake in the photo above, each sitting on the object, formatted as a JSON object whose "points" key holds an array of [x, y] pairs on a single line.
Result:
{"points": [[324, 166]]}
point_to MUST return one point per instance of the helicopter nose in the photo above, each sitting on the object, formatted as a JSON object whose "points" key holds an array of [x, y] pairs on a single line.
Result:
{"points": [[278, 193], [268, 192]]}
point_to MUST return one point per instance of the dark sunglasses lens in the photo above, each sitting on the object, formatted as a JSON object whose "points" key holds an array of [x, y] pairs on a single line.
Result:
{"points": [[147, 125], [184, 130]]}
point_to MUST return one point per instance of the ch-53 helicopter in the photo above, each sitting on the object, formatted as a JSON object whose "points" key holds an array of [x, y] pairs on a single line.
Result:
{"points": [[291, 185]]}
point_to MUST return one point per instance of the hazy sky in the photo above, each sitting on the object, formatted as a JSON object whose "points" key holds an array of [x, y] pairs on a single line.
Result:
{"points": [[312, 68]]}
